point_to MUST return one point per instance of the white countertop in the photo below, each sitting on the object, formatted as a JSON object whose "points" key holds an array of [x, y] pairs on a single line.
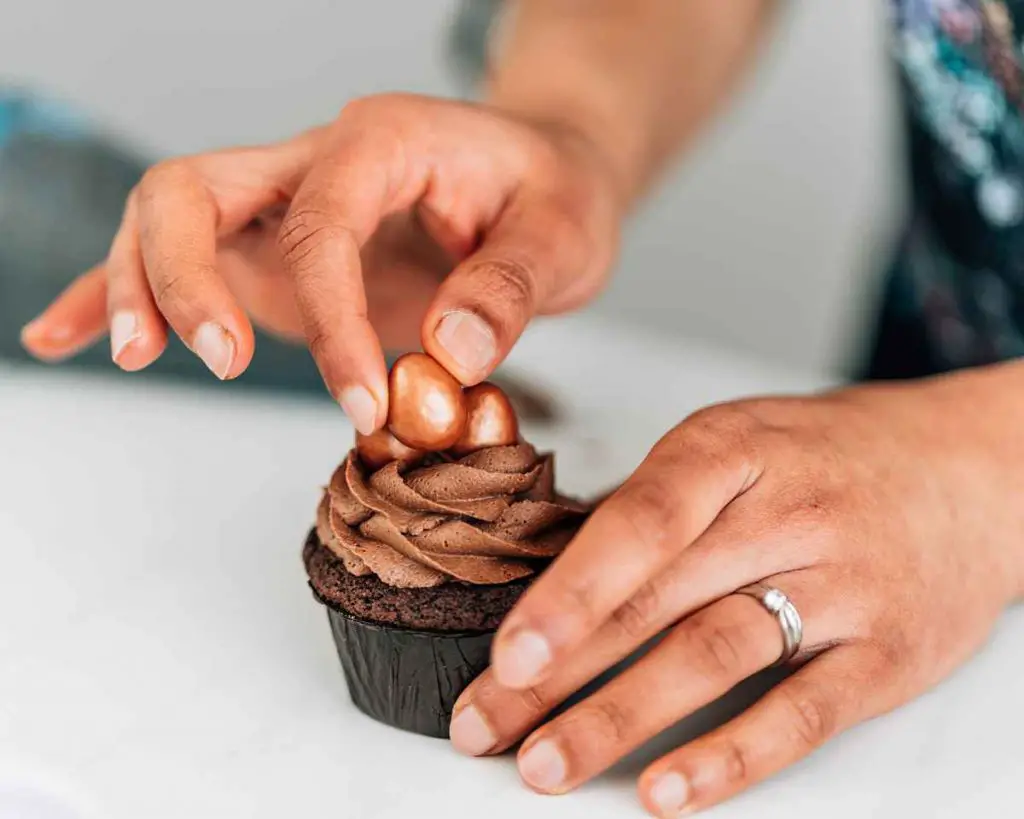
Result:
{"points": [[161, 656]]}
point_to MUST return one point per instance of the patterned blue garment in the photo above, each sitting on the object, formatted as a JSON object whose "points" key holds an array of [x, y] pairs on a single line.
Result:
{"points": [[956, 291]]}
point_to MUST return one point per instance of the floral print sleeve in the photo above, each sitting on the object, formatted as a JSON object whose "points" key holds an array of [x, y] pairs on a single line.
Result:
{"points": [[956, 292]]}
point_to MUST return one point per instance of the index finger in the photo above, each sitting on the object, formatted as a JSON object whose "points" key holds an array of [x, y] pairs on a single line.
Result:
{"points": [[689, 477], [386, 154], [335, 211]]}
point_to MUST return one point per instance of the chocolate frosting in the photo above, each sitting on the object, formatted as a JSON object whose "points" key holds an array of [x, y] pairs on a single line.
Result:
{"points": [[491, 517]]}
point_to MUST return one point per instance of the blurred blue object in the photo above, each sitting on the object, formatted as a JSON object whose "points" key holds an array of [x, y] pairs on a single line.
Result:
{"points": [[63, 184], [62, 189], [23, 113]]}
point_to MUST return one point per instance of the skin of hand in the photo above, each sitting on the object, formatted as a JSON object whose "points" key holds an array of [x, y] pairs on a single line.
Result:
{"points": [[382, 222], [411, 216], [889, 514]]}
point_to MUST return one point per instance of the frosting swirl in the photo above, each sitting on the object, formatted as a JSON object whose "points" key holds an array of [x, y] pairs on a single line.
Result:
{"points": [[491, 517]]}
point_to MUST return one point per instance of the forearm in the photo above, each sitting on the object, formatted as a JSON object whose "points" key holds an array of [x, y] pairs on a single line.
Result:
{"points": [[638, 77], [969, 425], [990, 410]]}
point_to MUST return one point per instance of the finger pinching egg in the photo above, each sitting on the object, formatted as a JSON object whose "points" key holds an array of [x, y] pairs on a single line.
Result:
{"points": [[427, 405], [491, 420]]}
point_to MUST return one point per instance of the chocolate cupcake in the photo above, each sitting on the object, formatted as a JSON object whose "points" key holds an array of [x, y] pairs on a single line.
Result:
{"points": [[419, 560]]}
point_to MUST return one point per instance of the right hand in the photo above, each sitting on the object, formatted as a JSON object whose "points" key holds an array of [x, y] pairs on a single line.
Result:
{"points": [[404, 214]]}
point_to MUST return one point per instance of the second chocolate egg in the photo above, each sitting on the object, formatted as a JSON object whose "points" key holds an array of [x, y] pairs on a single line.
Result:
{"points": [[427, 407], [382, 448], [491, 420]]}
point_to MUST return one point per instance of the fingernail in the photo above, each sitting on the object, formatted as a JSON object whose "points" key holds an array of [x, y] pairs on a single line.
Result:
{"points": [[469, 340], [214, 345], [470, 734], [124, 329], [361, 408], [44, 338], [46, 330], [30, 332], [521, 658], [670, 793], [543, 766]]}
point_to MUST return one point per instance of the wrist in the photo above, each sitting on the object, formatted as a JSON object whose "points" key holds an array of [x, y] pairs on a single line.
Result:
{"points": [[546, 67], [585, 148], [615, 149], [985, 404], [638, 80]]}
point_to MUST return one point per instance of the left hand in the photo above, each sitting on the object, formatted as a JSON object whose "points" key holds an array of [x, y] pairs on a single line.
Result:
{"points": [[890, 515]]}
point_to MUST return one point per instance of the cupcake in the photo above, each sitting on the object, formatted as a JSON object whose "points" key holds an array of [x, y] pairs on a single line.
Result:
{"points": [[426, 536]]}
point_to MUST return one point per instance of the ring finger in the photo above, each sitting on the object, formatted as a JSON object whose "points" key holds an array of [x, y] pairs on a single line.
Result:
{"points": [[822, 699], [703, 657], [178, 223]]}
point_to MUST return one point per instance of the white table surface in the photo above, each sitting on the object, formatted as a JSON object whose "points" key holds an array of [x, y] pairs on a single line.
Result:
{"points": [[161, 656]]}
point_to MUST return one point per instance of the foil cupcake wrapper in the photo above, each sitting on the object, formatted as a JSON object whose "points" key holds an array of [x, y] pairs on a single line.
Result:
{"points": [[405, 678]]}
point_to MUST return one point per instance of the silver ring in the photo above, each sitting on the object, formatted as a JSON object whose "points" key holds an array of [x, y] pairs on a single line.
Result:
{"points": [[785, 613]]}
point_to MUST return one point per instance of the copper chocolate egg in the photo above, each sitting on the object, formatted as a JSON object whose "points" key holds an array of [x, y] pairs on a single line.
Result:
{"points": [[382, 448], [491, 420], [427, 408]]}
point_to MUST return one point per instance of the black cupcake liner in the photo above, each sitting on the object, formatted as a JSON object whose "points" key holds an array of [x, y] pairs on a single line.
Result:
{"points": [[405, 678]]}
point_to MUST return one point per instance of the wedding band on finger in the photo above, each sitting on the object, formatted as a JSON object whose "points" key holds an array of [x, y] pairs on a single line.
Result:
{"points": [[782, 608]]}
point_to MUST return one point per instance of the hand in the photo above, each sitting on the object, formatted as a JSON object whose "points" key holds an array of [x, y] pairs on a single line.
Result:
{"points": [[406, 213], [889, 515]]}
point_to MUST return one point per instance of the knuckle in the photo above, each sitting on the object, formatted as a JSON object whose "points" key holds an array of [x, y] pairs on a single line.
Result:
{"points": [[579, 603], [180, 292], [318, 341], [509, 282], [732, 417], [374, 104], [736, 765], [637, 616], [717, 650], [356, 107], [534, 702], [722, 427], [167, 174], [889, 659], [812, 719], [891, 646], [170, 291], [511, 714], [726, 435], [810, 502], [603, 721], [303, 234], [815, 512], [653, 515]]}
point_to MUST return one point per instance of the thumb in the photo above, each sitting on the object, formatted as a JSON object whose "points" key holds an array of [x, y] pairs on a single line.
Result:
{"points": [[535, 260]]}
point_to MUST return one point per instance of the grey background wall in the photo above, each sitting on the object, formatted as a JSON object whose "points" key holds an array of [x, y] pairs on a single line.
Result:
{"points": [[764, 238]]}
